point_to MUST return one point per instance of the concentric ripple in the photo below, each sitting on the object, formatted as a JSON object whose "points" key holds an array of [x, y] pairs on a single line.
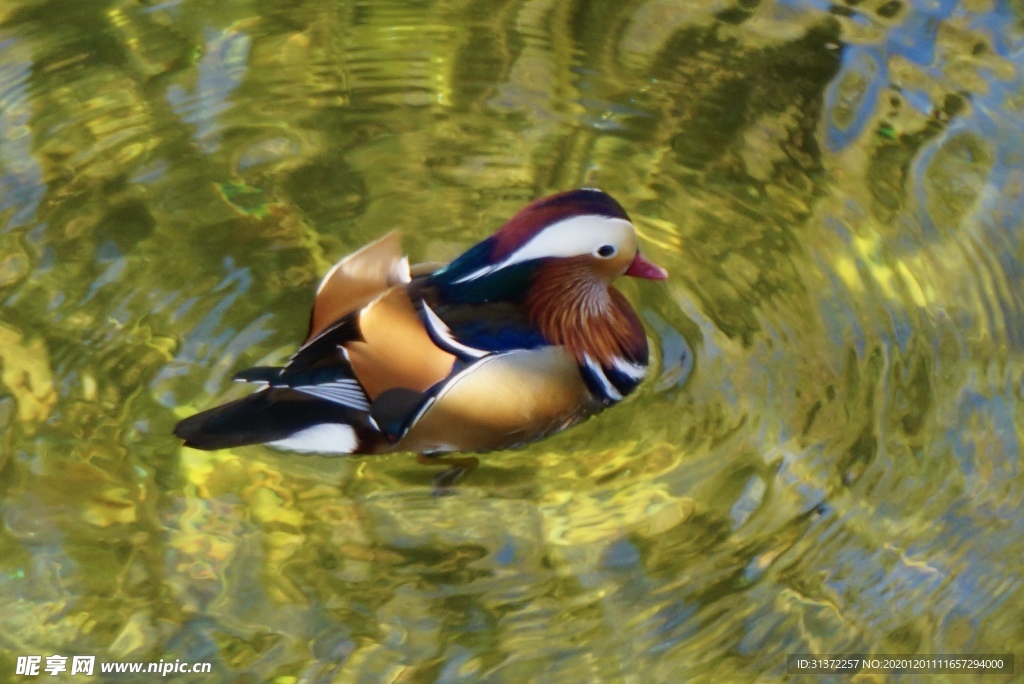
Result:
{"points": [[826, 458]]}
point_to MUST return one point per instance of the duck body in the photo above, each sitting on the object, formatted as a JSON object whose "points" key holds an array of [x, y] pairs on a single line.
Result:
{"points": [[520, 337]]}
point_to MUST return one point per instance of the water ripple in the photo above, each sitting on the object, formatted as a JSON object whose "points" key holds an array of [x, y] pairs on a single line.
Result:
{"points": [[21, 189], [825, 459]]}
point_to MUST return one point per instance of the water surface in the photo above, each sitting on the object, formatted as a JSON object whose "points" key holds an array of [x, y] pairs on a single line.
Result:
{"points": [[826, 458]]}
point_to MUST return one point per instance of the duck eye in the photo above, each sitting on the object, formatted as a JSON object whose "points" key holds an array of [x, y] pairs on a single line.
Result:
{"points": [[606, 251]]}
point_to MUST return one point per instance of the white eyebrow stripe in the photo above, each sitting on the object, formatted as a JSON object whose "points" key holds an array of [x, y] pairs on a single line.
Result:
{"points": [[444, 333], [632, 370], [606, 386], [554, 241]]}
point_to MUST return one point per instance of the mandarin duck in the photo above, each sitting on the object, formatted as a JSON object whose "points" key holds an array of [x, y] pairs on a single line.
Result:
{"points": [[518, 338]]}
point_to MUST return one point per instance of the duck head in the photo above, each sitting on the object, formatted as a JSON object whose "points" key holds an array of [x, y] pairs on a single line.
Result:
{"points": [[586, 227], [558, 256]]}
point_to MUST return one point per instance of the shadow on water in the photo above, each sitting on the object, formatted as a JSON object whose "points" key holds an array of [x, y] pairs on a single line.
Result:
{"points": [[827, 459]]}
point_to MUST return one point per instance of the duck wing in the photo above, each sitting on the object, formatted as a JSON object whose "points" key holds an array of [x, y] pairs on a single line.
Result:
{"points": [[358, 279], [284, 418]]}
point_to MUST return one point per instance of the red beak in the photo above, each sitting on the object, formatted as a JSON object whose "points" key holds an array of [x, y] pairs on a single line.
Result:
{"points": [[642, 268]]}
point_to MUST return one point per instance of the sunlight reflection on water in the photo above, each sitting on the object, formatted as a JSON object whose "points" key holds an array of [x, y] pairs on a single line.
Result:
{"points": [[826, 459]]}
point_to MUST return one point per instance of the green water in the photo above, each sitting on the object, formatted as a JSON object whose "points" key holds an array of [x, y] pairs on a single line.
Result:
{"points": [[826, 459]]}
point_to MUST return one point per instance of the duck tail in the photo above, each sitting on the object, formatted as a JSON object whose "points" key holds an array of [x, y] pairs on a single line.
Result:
{"points": [[282, 418]]}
